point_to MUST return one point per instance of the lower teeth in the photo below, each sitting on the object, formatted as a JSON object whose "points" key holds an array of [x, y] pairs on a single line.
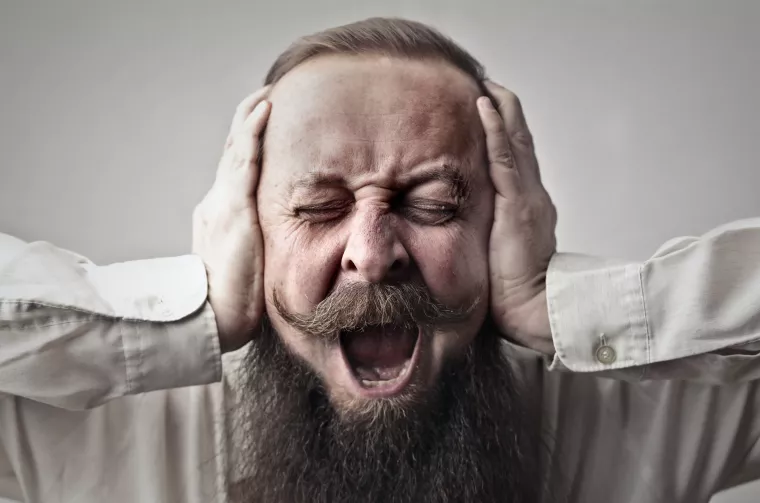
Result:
{"points": [[377, 379]]}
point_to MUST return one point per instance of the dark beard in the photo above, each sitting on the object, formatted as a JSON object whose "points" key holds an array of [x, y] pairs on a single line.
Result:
{"points": [[472, 442]]}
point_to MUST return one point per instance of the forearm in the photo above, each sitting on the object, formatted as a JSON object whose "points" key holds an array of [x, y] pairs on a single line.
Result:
{"points": [[696, 299], [74, 335]]}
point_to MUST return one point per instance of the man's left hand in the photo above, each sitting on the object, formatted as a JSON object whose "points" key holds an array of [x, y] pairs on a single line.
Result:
{"points": [[523, 235]]}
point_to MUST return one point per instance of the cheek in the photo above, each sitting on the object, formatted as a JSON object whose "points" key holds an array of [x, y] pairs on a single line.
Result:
{"points": [[301, 267], [453, 261]]}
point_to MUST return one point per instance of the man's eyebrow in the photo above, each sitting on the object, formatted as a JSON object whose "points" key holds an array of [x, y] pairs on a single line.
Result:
{"points": [[447, 173], [314, 180]]}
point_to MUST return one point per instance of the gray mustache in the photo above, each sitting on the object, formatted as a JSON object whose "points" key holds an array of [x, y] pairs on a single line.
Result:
{"points": [[357, 306]]}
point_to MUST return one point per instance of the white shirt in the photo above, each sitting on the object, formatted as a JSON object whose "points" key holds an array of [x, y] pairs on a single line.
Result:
{"points": [[113, 388]]}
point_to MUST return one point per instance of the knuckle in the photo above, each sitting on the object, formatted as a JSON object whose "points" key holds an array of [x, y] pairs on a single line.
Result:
{"points": [[239, 156], [527, 214], [546, 211], [539, 209], [244, 159], [523, 139], [552, 208], [504, 157], [233, 160]]}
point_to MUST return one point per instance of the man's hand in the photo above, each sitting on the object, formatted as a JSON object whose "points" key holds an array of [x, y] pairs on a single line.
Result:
{"points": [[226, 232], [522, 239]]}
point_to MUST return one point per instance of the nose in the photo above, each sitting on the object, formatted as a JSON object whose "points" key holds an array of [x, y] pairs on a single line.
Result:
{"points": [[373, 249]]}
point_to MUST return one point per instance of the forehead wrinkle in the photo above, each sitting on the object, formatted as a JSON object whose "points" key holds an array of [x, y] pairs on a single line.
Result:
{"points": [[330, 163]]}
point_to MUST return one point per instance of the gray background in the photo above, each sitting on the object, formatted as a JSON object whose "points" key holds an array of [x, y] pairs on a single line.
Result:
{"points": [[113, 114]]}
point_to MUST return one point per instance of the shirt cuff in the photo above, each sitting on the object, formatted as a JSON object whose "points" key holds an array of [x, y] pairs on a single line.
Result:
{"points": [[597, 314], [161, 289], [172, 355], [168, 328]]}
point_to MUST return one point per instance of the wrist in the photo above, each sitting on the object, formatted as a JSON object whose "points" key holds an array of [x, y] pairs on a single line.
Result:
{"points": [[523, 316], [232, 338], [236, 328], [530, 324]]}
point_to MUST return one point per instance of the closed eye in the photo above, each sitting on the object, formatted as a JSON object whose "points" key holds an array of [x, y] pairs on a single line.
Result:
{"points": [[323, 212], [428, 212]]}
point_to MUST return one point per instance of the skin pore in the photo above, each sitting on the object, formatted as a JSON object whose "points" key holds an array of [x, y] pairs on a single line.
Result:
{"points": [[374, 172]]}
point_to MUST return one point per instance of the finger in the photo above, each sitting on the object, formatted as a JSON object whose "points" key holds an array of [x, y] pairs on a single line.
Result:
{"points": [[239, 168], [504, 174], [520, 138], [243, 110], [251, 130]]}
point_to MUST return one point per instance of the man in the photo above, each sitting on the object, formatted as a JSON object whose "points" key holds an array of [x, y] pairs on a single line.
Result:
{"points": [[362, 264]]}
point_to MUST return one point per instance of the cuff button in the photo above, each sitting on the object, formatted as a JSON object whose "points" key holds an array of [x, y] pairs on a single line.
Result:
{"points": [[606, 355]]}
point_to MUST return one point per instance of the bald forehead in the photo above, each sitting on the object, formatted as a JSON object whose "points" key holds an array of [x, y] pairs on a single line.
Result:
{"points": [[365, 107]]}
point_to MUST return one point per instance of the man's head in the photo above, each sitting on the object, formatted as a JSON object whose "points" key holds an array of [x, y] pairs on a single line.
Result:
{"points": [[377, 377], [375, 193]]}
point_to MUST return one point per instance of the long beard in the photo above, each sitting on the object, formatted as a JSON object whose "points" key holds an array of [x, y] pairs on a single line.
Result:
{"points": [[471, 442]]}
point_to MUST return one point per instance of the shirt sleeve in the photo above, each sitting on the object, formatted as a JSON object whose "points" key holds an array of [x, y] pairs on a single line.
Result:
{"points": [[74, 334], [692, 311]]}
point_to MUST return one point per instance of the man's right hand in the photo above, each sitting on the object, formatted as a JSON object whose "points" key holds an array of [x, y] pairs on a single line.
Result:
{"points": [[226, 232]]}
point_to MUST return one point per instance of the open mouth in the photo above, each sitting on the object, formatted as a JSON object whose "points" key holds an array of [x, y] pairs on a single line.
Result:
{"points": [[381, 358]]}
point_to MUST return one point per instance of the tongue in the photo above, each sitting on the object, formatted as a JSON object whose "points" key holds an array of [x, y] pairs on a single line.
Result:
{"points": [[380, 347]]}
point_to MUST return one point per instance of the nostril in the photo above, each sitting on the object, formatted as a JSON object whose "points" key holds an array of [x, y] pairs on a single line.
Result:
{"points": [[349, 265]]}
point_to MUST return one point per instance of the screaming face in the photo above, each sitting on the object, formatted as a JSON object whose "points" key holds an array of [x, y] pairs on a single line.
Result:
{"points": [[376, 207]]}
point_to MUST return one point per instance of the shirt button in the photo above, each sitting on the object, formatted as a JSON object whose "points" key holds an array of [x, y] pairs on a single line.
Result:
{"points": [[605, 354]]}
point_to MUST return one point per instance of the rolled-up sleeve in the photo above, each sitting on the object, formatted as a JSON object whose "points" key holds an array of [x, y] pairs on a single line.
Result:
{"points": [[74, 334], [692, 311]]}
